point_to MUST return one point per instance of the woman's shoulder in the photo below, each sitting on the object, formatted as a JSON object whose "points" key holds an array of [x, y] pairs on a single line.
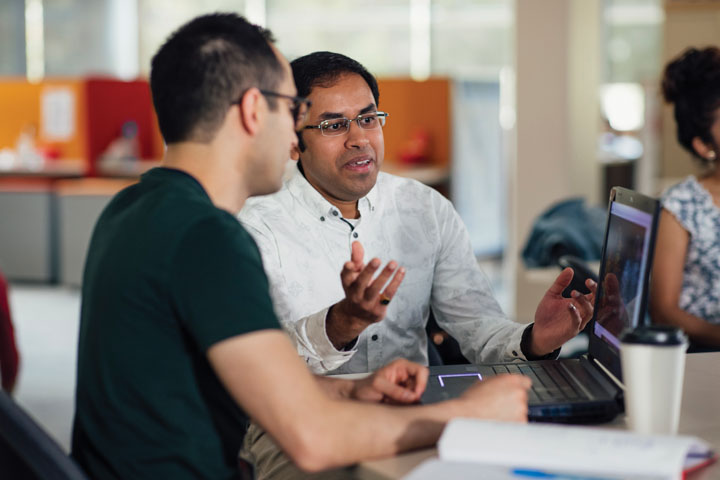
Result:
{"points": [[686, 194], [687, 188]]}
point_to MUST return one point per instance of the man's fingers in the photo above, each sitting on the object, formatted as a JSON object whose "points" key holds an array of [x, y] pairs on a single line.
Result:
{"points": [[591, 285], [394, 284], [583, 303], [575, 313], [348, 274], [357, 254], [395, 392], [421, 375], [374, 288], [561, 282], [410, 374], [366, 275]]}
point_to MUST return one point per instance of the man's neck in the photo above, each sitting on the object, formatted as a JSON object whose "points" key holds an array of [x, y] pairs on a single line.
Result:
{"points": [[347, 209], [222, 182]]}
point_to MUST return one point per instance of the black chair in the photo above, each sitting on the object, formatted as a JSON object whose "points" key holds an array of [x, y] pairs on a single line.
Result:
{"points": [[442, 348], [27, 452]]}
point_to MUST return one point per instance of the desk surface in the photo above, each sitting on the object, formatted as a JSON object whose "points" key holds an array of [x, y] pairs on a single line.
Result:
{"points": [[700, 416]]}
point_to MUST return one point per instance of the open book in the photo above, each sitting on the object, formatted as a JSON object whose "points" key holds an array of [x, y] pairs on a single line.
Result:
{"points": [[511, 450]]}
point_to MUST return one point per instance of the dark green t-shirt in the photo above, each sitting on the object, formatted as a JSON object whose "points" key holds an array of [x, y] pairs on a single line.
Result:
{"points": [[167, 275]]}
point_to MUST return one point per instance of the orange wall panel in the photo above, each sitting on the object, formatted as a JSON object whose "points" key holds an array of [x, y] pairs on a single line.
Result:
{"points": [[20, 108], [416, 105]]}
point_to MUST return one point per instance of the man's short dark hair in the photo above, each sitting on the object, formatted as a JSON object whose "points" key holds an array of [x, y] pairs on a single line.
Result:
{"points": [[205, 66], [323, 69]]}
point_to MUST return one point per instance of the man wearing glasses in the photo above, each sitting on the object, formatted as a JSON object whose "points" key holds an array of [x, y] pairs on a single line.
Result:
{"points": [[338, 208]]}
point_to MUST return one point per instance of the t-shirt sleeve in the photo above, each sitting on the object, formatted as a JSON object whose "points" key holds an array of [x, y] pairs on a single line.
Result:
{"points": [[219, 286], [680, 201]]}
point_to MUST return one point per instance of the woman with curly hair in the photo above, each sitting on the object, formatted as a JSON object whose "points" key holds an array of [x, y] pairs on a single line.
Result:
{"points": [[686, 273]]}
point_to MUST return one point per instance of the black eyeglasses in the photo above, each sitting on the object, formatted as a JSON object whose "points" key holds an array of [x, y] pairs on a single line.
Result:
{"points": [[298, 108], [340, 126]]}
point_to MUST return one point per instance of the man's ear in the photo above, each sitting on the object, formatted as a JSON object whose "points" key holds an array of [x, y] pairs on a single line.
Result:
{"points": [[251, 110], [701, 148]]}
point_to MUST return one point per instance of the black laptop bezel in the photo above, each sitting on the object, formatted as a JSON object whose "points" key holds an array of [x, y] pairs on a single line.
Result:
{"points": [[600, 350]]}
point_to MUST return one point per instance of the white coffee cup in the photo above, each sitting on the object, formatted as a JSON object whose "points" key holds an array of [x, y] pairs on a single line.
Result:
{"points": [[653, 365]]}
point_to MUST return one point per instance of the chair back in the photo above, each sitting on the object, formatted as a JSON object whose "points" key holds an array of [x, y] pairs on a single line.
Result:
{"points": [[27, 452]]}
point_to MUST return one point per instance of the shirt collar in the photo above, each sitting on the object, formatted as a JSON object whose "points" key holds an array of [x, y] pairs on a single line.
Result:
{"points": [[300, 188]]}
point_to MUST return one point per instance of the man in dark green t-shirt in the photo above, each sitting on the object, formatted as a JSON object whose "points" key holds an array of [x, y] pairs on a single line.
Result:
{"points": [[178, 337]]}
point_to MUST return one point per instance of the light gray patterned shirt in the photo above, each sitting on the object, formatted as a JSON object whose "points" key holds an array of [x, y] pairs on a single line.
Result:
{"points": [[693, 207], [304, 243]]}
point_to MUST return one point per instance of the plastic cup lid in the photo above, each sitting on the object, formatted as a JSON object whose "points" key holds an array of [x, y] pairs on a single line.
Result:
{"points": [[654, 335]]}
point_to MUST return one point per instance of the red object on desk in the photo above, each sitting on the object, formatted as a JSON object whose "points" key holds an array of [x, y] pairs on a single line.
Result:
{"points": [[9, 358]]}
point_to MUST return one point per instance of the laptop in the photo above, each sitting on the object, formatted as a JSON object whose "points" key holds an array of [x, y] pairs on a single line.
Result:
{"points": [[587, 389]]}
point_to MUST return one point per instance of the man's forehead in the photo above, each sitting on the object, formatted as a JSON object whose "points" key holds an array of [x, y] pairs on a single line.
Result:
{"points": [[349, 93]]}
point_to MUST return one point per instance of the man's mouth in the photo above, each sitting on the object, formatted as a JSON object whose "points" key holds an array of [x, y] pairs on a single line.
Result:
{"points": [[360, 163]]}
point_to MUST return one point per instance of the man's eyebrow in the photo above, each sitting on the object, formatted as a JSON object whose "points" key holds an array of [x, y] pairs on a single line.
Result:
{"points": [[330, 115], [370, 108]]}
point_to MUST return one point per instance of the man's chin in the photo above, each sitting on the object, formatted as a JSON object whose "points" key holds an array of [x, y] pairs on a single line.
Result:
{"points": [[267, 189]]}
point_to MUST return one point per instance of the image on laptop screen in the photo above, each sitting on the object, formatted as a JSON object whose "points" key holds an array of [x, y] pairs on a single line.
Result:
{"points": [[620, 292]]}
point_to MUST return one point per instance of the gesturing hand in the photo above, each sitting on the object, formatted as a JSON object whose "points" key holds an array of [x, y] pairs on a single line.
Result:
{"points": [[400, 381], [365, 302], [558, 319]]}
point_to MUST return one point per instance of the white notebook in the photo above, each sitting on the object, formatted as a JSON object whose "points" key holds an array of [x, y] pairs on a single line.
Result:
{"points": [[513, 450]]}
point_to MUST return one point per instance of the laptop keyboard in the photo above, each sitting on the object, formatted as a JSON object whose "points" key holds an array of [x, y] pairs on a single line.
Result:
{"points": [[548, 382]]}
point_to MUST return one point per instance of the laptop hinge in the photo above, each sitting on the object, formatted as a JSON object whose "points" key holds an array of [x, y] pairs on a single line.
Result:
{"points": [[607, 373]]}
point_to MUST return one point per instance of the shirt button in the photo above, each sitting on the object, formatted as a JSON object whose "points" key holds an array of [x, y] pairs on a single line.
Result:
{"points": [[322, 219], [355, 234], [374, 338], [335, 213]]}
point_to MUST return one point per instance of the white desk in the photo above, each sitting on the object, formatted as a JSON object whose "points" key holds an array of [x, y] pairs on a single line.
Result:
{"points": [[700, 416]]}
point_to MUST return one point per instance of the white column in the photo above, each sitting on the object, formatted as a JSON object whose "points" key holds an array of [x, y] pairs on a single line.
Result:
{"points": [[557, 110], [123, 38]]}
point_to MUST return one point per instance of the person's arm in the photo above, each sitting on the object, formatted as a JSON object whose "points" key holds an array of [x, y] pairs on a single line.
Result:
{"points": [[281, 395], [464, 306], [461, 297], [668, 266]]}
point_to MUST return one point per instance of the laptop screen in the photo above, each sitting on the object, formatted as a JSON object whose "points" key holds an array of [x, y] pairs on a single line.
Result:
{"points": [[624, 271]]}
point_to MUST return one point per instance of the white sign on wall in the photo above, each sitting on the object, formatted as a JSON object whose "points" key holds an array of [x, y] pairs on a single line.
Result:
{"points": [[57, 114]]}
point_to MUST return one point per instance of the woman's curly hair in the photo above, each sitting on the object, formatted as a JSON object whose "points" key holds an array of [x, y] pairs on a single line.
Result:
{"points": [[692, 83]]}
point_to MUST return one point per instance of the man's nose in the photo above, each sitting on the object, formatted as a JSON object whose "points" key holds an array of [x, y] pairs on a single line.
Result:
{"points": [[356, 136]]}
